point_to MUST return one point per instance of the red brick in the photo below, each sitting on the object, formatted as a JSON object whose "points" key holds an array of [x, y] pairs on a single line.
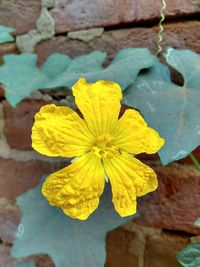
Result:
{"points": [[80, 14], [8, 48], [175, 205], [117, 248], [43, 262], [9, 219], [18, 123], [17, 177], [134, 245], [1, 91], [183, 35], [125, 248], [5, 259], [19, 14], [161, 250]]}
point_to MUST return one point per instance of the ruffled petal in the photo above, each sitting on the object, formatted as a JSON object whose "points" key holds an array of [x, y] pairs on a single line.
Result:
{"points": [[76, 189], [133, 135], [59, 131], [129, 178], [99, 103]]}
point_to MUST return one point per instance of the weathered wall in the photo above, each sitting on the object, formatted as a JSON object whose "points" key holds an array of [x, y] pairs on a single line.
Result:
{"points": [[167, 215]]}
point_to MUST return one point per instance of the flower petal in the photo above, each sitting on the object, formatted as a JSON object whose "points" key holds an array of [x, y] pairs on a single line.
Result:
{"points": [[133, 135], [76, 189], [59, 131], [99, 103], [129, 178]]}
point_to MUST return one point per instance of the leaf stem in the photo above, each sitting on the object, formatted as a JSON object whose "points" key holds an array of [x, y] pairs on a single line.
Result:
{"points": [[195, 161]]}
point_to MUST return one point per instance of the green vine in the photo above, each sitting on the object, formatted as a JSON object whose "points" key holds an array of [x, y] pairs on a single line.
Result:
{"points": [[195, 161], [161, 28], [159, 50], [193, 158]]}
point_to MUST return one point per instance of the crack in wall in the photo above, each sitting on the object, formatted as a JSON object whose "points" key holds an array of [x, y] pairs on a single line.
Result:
{"points": [[153, 22], [45, 28], [86, 35], [141, 233]]}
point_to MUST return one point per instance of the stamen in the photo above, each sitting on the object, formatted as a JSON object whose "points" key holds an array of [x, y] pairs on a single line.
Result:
{"points": [[103, 147]]}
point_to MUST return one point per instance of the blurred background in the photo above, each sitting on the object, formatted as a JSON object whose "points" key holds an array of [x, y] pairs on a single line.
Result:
{"points": [[76, 27]]}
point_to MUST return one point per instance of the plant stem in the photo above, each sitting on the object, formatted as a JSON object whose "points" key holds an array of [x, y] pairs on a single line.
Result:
{"points": [[195, 161]]}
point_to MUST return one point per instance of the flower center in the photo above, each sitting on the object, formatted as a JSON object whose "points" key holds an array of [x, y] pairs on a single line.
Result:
{"points": [[103, 147]]}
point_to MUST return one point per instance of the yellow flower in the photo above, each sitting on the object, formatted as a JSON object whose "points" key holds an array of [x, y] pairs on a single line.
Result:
{"points": [[103, 146]]}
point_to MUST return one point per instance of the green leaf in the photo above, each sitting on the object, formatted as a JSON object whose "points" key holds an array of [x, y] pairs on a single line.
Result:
{"points": [[5, 36], [26, 264], [190, 256], [20, 75], [174, 111], [195, 161], [69, 242]]}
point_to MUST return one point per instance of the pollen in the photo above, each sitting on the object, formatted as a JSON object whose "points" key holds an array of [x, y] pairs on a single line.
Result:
{"points": [[103, 147]]}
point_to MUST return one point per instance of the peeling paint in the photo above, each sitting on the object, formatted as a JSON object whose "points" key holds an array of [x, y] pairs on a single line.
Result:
{"points": [[45, 24], [6, 152], [45, 29], [36, 95], [146, 230], [138, 244], [47, 98], [197, 223], [86, 35], [48, 3], [68, 101], [27, 42]]}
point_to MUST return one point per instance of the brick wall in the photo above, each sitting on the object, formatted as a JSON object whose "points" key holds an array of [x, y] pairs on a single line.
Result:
{"points": [[167, 215]]}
